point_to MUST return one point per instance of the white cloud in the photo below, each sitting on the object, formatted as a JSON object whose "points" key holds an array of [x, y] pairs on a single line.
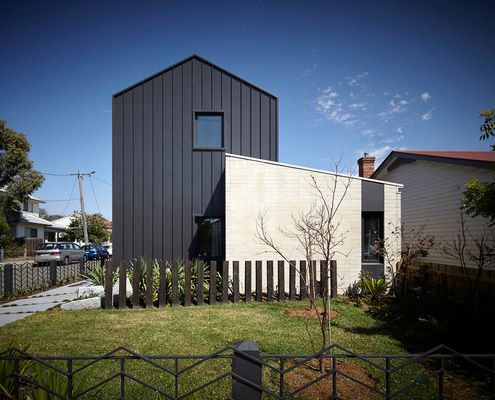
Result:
{"points": [[356, 81], [399, 129], [334, 109], [425, 96], [395, 106], [428, 115], [359, 106], [380, 152]]}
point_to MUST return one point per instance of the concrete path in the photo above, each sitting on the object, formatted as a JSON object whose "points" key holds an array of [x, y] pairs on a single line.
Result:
{"points": [[19, 309]]}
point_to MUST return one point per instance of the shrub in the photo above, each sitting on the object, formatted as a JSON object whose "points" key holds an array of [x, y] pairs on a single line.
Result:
{"points": [[7, 382], [97, 276], [374, 288], [142, 265]]}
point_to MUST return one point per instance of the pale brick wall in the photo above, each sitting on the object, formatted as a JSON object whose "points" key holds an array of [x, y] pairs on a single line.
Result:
{"points": [[392, 222], [281, 192]]}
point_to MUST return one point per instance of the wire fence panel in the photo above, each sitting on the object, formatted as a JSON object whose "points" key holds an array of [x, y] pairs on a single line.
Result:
{"points": [[27, 277], [241, 372]]}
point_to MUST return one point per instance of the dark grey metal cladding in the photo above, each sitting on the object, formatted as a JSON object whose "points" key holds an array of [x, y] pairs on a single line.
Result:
{"points": [[372, 196], [160, 180]]}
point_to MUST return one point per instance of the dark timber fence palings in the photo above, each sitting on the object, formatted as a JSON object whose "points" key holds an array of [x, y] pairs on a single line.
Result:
{"points": [[196, 282]]}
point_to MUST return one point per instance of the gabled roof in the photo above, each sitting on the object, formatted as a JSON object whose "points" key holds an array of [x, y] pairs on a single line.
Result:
{"points": [[201, 59], [30, 218], [480, 159]]}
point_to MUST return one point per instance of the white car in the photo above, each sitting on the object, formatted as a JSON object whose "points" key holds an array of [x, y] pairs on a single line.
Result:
{"points": [[109, 249]]}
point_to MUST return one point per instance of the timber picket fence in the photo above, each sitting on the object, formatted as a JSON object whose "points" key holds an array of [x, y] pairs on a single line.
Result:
{"points": [[197, 283]]}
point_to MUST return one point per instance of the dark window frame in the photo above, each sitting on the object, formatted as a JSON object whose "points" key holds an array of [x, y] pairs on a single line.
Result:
{"points": [[197, 216], [379, 259], [195, 131]]}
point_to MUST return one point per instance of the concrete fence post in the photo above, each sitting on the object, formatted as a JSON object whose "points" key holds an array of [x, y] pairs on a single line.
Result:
{"points": [[82, 265], [8, 280], [53, 272], [1, 254], [246, 372], [25, 253]]}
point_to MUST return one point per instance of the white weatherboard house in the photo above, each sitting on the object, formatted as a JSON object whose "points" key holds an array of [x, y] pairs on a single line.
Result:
{"points": [[434, 182], [31, 225], [253, 186]]}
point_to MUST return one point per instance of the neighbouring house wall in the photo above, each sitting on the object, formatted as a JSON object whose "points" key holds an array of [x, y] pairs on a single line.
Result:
{"points": [[392, 222], [160, 182], [20, 230], [281, 192], [432, 196]]}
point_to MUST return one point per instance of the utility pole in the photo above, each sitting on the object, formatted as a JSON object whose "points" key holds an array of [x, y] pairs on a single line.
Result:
{"points": [[80, 175]]}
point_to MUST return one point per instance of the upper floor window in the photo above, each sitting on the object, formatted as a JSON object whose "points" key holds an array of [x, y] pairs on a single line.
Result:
{"points": [[208, 130], [27, 206]]}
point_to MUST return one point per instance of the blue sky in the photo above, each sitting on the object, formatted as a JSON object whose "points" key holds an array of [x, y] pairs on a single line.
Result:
{"points": [[350, 76]]}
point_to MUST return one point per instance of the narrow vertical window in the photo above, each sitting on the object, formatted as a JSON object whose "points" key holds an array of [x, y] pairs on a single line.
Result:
{"points": [[372, 232]]}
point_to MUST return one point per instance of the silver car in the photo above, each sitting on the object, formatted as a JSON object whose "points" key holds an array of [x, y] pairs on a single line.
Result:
{"points": [[62, 252]]}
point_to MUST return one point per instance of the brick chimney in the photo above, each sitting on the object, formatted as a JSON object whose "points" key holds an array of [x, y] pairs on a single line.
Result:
{"points": [[366, 165]]}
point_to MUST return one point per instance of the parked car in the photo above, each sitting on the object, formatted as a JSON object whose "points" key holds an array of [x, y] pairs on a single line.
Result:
{"points": [[95, 252], [62, 252], [109, 249]]}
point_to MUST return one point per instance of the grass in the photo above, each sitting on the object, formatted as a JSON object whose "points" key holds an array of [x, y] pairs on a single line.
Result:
{"points": [[194, 330]]}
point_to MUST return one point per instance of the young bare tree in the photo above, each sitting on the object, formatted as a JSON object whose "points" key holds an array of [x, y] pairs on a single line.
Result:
{"points": [[468, 248], [415, 244], [319, 234]]}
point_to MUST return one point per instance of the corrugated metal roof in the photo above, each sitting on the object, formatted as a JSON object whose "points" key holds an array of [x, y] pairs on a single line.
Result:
{"points": [[479, 159], [486, 156]]}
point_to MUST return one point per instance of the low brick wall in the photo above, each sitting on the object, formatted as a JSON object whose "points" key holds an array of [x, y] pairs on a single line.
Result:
{"points": [[452, 278]]}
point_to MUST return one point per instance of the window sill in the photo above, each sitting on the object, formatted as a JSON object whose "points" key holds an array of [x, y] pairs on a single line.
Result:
{"points": [[208, 148]]}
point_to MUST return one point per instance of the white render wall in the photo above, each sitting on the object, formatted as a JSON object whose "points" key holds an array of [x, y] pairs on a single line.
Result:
{"points": [[432, 196], [280, 192]]}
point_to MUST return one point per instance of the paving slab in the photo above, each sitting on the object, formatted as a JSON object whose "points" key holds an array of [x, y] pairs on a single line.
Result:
{"points": [[22, 308]]}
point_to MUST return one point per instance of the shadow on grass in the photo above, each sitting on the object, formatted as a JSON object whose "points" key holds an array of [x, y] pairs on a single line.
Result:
{"points": [[422, 322]]}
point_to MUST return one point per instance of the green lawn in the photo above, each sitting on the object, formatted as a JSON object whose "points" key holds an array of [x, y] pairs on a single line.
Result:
{"points": [[194, 330]]}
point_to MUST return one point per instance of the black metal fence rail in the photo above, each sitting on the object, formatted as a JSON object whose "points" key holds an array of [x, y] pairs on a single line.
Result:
{"points": [[241, 372], [161, 283], [25, 278]]}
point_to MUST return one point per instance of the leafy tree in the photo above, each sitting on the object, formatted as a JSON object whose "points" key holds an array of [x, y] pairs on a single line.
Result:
{"points": [[18, 179], [479, 197], [49, 217], [97, 229], [488, 127]]}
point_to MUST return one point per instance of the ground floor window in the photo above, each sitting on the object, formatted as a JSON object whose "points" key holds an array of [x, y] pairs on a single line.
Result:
{"points": [[30, 232], [209, 237], [372, 225]]}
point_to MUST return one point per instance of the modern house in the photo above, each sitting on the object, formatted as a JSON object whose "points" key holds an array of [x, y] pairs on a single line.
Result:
{"points": [[195, 160], [434, 182], [170, 135]]}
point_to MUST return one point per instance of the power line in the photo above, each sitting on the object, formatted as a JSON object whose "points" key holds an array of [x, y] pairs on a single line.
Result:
{"points": [[70, 196], [54, 201], [101, 180], [94, 194], [46, 173]]}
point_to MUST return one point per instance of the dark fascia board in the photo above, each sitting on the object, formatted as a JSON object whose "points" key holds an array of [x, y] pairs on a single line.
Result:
{"points": [[394, 155], [201, 59]]}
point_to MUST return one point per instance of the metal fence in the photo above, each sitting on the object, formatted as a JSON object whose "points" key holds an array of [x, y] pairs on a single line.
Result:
{"points": [[27, 277], [196, 283], [241, 372]]}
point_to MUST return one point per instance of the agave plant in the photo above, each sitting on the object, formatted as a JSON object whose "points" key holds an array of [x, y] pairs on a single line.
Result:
{"points": [[56, 383], [375, 287], [7, 369], [97, 276], [155, 270]]}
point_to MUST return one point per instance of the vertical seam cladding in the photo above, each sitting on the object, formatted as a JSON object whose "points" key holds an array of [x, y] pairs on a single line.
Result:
{"points": [[142, 173], [172, 197], [152, 168], [163, 256]]}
